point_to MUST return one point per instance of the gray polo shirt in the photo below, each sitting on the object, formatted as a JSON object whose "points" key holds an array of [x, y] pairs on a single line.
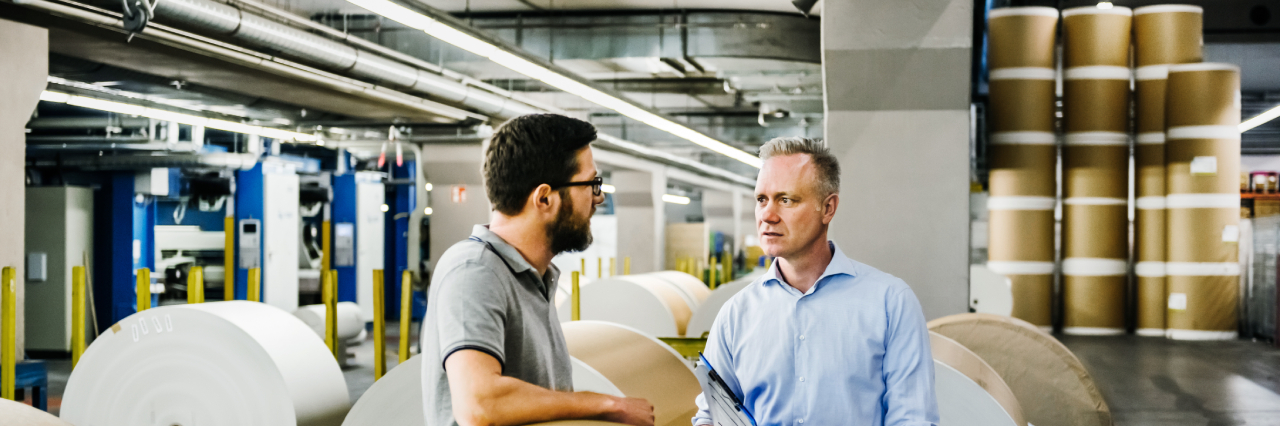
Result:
{"points": [[486, 297]]}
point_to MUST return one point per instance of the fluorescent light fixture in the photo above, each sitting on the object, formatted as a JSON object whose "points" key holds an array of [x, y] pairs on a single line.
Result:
{"points": [[1104, 5], [177, 117], [675, 199], [1260, 119], [427, 211], [385, 208], [470, 43], [428, 186], [607, 188]]}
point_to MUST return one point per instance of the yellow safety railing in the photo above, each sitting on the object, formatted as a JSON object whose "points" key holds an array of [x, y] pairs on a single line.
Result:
{"points": [[599, 267], [613, 266], [77, 314], [626, 265], [9, 330], [575, 296], [144, 289], [726, 269], [254, 292], [583, 268], [379, 326], [406, 313], [229, 259], [711, 273], [195, 285], [329, 294]]}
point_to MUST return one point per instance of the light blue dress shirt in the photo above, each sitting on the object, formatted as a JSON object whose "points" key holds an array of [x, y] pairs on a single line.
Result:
{"points": [[854, 350]]}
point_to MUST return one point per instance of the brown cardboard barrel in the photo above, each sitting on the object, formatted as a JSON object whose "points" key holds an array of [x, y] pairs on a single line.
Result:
{"points": [[640, 366], [1149, 174], [1149, 99], [1033, 299], [1150, 229], [1151, 305], [1096, 100], [1095, 230], [1099, 170], [1209, 312], [1022, 170], [1024, 235], [1022, 104], [1203, 234], [1021, 248], [1150, 235], [1093, 36], [1094, 304], [1052, 385], [1021, 37], [1168, 34], [1203, 94], [1182, 156]]}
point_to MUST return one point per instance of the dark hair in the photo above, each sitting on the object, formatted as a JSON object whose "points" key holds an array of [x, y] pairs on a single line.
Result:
{"points": [[531, 150]]}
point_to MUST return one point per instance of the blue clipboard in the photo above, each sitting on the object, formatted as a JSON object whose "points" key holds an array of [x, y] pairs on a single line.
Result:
{"points": [[726, 408]]}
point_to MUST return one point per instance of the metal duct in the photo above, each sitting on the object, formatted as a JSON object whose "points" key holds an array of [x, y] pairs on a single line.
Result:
{"points": [[141, 162], [221, 19]]}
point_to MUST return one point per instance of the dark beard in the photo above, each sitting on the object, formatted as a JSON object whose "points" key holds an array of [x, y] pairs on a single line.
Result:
{"points": [[569, 233]]}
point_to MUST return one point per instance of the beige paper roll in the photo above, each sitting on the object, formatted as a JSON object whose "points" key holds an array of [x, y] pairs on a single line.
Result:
{"points": [[1023, 170], [1095, 171], [17, 413], [651, 304], [1151, 228], [952, 354], [1022, 37], [1095, 305], [1149, 105], [1199, 235], [1033, 299], [639, 365], [1024, 235], [1093, 36], [1168, 34], [1151, 305], [1210, 307], [1021, 105], [1224, 154], [1095, 231], [1052, 385], [1203, 94], [1150, 174], [1095, 105]]}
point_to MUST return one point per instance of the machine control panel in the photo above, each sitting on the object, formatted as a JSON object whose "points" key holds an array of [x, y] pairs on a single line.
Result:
{"points": [[344, 244], [250, 231]]}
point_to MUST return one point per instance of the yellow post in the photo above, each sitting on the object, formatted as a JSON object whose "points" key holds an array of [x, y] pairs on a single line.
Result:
{"points": [[144, 289], [229, 259], [583, 269], [77, 314], [406, 313], [626, 265], [613, 266], [379, 326], [9, 330], [711, 272], [599, 267], [576, 299], [195, 285], [328, 295], [254, 292], [325, 245], [726, 270]]}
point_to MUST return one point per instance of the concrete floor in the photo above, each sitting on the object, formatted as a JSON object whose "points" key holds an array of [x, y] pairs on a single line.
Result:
{"points": [[1154, 381], [1146, 381]]}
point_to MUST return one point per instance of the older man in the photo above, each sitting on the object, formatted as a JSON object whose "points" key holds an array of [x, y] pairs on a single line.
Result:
{"points": [[820, 339], [493, 352]]}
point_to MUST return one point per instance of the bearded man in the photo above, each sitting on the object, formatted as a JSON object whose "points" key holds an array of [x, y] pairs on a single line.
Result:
{"points": [[493, 351]]}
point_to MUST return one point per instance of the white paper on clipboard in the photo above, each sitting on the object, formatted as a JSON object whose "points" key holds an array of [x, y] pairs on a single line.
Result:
{"points": [[726, 409]]}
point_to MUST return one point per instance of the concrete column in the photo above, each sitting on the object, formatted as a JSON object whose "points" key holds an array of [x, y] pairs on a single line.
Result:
{"points": [[450, 168], [897, 96], [640, 211], [717, 212], [25, 67]]}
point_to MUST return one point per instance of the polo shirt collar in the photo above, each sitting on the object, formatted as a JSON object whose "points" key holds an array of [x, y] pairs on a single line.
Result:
{"points": [[840, 264], [513, 257]]}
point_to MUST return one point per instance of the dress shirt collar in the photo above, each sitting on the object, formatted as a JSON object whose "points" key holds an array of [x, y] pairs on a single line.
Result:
{"points": [[840, 264]]}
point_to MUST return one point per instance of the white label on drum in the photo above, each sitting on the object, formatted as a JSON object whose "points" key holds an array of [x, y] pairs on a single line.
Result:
{"points": [[1205, 166], [1178, 301], [1230, 234]]}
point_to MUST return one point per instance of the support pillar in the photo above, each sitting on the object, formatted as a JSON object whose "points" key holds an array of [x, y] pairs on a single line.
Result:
{"points": [[638, 202], [25, 68]]}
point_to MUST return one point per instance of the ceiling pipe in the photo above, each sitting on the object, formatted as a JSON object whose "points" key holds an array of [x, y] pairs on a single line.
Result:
{"points": [[142, 162]]}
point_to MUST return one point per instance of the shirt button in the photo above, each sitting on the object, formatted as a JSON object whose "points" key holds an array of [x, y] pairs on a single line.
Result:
{"points": [[802, 379], [801, 337], [801, 421]]}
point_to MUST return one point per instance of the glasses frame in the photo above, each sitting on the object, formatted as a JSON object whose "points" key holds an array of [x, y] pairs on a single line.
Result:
{"points": [[595, 185]]}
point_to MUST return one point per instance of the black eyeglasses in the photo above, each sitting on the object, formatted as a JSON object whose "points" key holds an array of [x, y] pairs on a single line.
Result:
{"points": [[593, 183]]}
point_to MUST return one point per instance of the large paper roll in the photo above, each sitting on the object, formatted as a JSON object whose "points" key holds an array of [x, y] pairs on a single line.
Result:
{"points": [[692, 287], [1024, 169], [705, 316], [1051, 384], [1168, 34], [231, 363], [396, 398], [19, 414], [639, 365], [350, 324], [1022, 37], [1202, 151], [647, 303], [1096, 37], [969, 391], [1022, 104]]}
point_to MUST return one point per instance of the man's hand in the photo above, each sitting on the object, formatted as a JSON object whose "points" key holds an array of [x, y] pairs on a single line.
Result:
{"points": [[632, 411]]}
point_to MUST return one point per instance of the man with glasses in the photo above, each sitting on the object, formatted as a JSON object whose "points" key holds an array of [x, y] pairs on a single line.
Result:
{"points": [[493, 352]]}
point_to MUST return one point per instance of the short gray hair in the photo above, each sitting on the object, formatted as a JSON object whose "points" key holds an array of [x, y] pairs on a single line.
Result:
{"points": [[825, 163]]}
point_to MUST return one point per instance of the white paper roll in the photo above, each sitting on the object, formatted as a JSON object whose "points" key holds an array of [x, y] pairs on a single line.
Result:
{"points": [[350, 323], [396, 398], [689, 284], [231, 363], [17, 413], [647, 304], [963, 402], [705, 316], [640, 365]]}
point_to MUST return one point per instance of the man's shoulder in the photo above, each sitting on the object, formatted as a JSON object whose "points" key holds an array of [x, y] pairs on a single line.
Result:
{"points": [[463, 261], [867, 274]]}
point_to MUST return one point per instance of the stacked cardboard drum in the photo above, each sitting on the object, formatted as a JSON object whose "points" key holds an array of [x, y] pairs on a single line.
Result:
{"points": [[1095, 169], [1202, 154], [1163, 35], [1023, 156]]}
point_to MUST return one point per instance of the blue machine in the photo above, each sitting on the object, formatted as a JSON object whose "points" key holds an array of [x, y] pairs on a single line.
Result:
{"points": [[125, 241]]}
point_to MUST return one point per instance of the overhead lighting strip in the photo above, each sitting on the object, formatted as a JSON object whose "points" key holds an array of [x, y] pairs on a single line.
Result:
{"points": [[456, 37], [166, 115], [1260, 119]]}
